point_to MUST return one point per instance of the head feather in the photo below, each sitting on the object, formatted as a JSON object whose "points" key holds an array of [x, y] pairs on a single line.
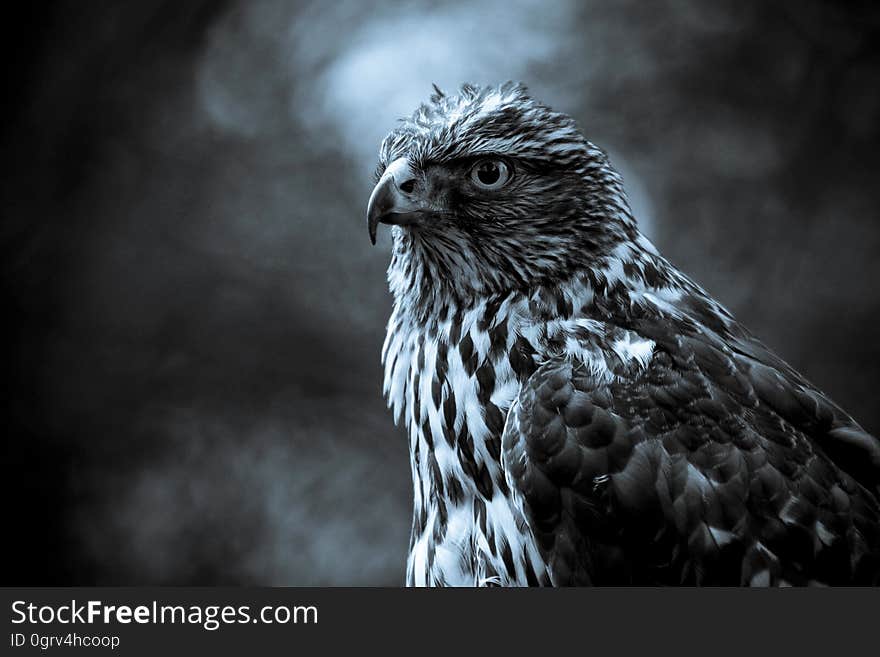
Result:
{"points": [[564, 211]]}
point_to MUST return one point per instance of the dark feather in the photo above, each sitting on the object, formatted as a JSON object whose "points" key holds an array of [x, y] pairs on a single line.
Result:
{"points": [[715, 492]]}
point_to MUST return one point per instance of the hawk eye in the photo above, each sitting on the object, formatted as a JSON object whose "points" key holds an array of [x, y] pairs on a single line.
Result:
{"points": [[490, 174]]}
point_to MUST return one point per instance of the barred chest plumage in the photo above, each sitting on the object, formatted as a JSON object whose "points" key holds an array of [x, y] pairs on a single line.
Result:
{"points": [[452, 381]]}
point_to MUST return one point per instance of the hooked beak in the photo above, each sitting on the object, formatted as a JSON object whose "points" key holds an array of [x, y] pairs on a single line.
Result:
{"points": [[392, 200]]}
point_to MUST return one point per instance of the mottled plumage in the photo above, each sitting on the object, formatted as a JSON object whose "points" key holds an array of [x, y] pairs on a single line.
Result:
{"points": [[578, 410]]}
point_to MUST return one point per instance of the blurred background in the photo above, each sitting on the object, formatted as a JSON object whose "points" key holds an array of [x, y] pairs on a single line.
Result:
{"points": [[194, 315]]}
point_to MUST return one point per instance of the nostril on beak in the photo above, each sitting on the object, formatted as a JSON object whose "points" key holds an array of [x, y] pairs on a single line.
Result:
{"points": [[407, 186]]}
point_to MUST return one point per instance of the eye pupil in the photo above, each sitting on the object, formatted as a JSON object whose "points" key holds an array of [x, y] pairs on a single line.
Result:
{"points": [[488, 173]]}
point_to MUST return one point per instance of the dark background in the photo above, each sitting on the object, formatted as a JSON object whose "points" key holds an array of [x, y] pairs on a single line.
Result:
{"points": [[191, 376]]}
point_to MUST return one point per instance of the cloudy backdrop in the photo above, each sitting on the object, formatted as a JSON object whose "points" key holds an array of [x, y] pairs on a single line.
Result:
{"points": [[191, 376]]}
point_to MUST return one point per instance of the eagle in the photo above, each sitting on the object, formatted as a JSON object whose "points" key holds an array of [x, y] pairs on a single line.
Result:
{"points": [[578, 410]]}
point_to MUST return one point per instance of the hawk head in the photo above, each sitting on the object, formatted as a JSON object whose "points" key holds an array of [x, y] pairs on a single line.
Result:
{"points": [[490, 190]]}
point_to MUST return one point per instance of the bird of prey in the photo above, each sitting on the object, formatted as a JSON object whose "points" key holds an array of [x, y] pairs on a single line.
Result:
{"points": [[578, 410]]}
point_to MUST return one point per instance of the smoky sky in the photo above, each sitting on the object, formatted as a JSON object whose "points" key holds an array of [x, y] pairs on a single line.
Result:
{"points": [[194, 314]]}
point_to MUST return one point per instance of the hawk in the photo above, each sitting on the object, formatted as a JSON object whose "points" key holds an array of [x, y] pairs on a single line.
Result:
{"points": [[578, 410]]}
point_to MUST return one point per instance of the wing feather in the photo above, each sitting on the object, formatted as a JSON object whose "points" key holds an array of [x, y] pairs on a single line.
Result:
{"points": [[712, 465]]}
